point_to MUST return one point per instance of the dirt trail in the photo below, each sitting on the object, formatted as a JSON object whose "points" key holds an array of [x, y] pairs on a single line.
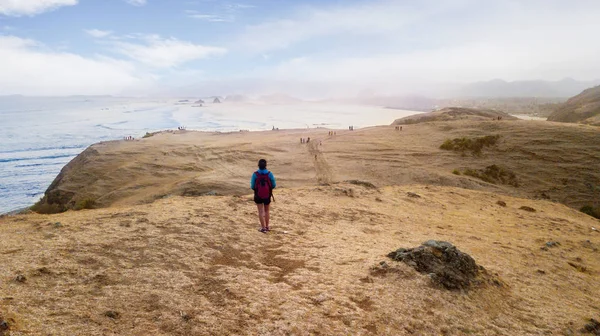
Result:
{"points": [[322, 167]]}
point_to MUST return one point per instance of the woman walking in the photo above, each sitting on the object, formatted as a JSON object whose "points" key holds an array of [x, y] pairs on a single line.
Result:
{"points": [[263, 183]]}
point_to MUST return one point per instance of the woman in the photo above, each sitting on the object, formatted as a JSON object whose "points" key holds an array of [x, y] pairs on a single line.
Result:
{"points": [[263, 183]]}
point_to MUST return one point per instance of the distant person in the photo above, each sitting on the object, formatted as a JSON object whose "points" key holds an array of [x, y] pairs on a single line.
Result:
{"points": [[307, 140], [263, 183]]}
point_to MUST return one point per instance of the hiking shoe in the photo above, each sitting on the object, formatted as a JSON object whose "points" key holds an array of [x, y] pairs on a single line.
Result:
{"points": [[268, 229], [263, 230]]}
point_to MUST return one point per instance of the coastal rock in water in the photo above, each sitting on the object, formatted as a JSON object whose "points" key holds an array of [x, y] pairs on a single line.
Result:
{"points": [[443, 262]]}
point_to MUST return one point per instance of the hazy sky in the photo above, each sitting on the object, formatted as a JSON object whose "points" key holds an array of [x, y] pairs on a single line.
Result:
{"points": [[63, 47]]}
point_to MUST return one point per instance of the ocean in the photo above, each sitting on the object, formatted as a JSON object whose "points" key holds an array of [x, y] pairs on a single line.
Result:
{"points": [[39, 136]]}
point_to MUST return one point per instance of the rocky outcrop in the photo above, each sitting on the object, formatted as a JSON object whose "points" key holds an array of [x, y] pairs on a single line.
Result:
{"points": [[443, 263]]}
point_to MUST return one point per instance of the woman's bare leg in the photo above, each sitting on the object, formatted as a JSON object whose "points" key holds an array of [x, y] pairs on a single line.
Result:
{"points": [[261, 215], [267, 217]]}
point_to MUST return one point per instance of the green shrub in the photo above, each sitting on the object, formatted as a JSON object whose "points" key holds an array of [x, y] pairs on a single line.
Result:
{"points": [[447, 145], [456, 172], [494, 174], [44, 208], [590, 210], [86, 203], [472, 145]]}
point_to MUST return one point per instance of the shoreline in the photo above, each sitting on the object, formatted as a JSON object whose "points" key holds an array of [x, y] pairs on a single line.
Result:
{"points": [[16, 212]]}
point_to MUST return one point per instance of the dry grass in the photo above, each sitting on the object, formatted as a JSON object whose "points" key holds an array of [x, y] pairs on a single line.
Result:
{"points": [[155, 263], [553, 161], [198, 266]]}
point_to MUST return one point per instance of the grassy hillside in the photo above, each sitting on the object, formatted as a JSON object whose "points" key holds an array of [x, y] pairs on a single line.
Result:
{"points": [[549, 161], [454, 113], [198, 266], [583, 108]]}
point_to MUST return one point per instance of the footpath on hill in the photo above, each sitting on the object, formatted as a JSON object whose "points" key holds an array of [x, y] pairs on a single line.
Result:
{"points": [[322, 168]]}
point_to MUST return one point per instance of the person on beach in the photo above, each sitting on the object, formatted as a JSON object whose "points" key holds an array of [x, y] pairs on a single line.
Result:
{"points": [[263, 183]]}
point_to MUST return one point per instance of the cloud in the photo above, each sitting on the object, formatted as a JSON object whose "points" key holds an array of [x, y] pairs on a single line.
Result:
{"points": [[236, 6], [31, 7], [377, 18], [209, 17], [224, 12], [158, 52], [97, 33], [29, 68], [136, 2], [400, 45]]}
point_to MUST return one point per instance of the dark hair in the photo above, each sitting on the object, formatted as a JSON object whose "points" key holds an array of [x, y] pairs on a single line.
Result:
{"points": [[262, 164]]}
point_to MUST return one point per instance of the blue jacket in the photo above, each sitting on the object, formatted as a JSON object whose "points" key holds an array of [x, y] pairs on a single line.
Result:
{"points": [[263, 171]]}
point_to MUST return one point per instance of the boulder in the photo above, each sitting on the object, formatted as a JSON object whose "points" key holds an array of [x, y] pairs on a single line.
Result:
{"points": [[442, 262]]}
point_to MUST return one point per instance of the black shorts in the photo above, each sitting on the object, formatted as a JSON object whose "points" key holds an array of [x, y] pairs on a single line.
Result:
{"points": [[262, 200]]}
